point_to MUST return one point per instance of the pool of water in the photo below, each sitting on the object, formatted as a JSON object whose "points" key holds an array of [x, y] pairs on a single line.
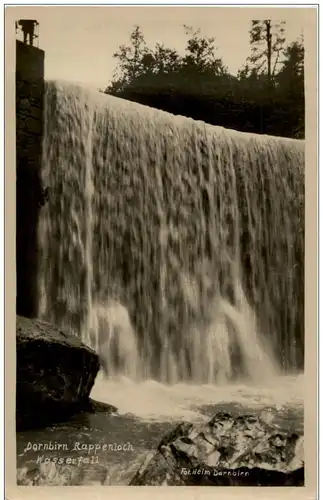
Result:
{"points": [[108, 449]]}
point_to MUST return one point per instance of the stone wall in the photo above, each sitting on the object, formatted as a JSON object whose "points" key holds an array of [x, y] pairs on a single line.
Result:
{"points": [[29, 123]]}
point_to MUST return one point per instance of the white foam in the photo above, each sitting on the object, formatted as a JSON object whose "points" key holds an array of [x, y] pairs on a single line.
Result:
{"points": [[153, 401]]}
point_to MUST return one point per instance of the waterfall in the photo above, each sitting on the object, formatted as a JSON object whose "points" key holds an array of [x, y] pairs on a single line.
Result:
{"points": [[173, 247]]}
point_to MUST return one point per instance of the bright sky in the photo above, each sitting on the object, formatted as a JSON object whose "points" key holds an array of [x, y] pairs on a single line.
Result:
{"points": [[79, 42]]}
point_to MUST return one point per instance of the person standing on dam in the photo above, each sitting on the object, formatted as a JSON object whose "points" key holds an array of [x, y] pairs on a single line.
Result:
{"points": [[28, 29]]}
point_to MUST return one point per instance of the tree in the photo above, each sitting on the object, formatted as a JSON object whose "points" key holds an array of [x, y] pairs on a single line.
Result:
{"points": [[131, 59], [165, 60], [138, 65], [200, 53], [266, 97], [293, 65], [290, 82], [267, 41]]}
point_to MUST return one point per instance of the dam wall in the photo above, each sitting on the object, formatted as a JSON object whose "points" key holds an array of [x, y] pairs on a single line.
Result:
{"points": [[29, 131]]}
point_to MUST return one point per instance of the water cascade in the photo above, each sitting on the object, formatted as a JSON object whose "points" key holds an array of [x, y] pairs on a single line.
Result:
{"points": [[175, 248]]}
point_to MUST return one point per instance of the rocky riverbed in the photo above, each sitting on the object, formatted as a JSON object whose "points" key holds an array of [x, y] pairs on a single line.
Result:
{"points": [[147, 412]]}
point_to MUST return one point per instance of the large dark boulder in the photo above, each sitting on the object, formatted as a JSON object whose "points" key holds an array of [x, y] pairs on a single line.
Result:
{"points": [[55, 374], [229, 450]]}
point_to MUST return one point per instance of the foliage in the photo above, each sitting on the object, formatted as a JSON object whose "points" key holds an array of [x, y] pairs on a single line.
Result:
{"points": [[267, 42], [200, 54], [269, 87]]}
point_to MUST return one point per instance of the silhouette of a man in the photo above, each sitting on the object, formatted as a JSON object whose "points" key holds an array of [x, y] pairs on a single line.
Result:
{"points": [[28, 29]]}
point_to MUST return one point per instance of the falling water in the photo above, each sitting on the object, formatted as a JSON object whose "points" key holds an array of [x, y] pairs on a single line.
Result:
{"points": [[175, 248]]}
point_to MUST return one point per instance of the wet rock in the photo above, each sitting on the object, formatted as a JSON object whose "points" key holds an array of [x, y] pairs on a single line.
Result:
{"points": [[55, 374], [229, 450], [50, 475], [56, 474], [93, 406]]}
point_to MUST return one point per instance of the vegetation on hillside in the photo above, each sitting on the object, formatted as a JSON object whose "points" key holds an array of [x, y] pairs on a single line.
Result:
{"points": [[266, 96]]}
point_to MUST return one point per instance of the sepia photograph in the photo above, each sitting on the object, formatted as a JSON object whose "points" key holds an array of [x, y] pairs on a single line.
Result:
{"points": [[160, 245]]}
